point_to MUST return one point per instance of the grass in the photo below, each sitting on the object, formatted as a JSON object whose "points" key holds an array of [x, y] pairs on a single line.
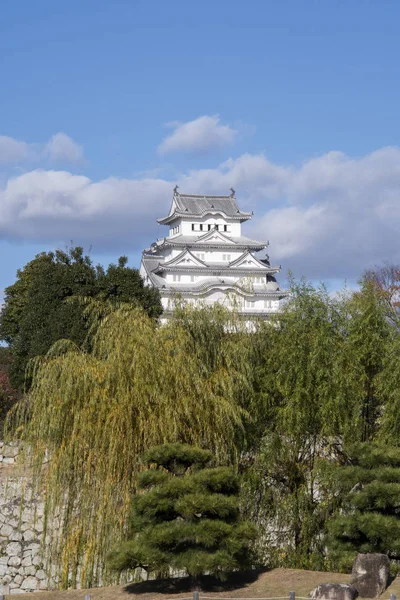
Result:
{"points": [[256, 584]]}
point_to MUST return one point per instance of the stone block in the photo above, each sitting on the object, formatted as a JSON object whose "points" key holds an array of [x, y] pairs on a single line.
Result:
{"points": [[39, 526], [40, 574], [29, 570], [13, 549], [30, 583], [17, 591], [36, 560], [3, 570], [370, 574], [29, 535], [8, 461], [9, 451], [6, 530], [334, 591], [44, 584], [3, 560], [18, 579], [34, 548], [27, 561], [14, 561], [15, 536]]}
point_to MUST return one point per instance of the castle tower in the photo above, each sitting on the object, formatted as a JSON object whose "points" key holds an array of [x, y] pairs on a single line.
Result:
{"points": [[206, 259]]}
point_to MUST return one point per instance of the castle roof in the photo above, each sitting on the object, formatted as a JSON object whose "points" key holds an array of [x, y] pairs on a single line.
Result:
{"points": [[198, 205], [211, 239]]}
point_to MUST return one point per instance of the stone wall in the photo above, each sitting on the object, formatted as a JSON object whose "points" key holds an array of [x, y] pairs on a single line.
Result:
{"points": [[21, 531]]}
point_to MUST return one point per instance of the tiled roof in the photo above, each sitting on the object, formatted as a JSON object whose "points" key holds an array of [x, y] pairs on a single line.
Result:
{"points": [[198, 204], [242, 242]]}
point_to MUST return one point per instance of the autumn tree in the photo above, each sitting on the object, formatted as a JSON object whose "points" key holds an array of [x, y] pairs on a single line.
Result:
{"points": [[386, 279]]}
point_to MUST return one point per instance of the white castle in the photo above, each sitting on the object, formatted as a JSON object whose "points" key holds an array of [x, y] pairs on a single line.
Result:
{"points": [[206, 259]]}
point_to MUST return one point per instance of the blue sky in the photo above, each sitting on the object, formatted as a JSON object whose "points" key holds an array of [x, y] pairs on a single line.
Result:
{"points": [[106, 104]]}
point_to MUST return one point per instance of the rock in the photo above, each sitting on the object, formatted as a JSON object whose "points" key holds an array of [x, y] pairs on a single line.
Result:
{"points": [[30, 583], [334, 591], [40, 574], [37, 561], [4, 560], [370, 574], [34, 548], [13, 549], [10, 451], [14, 561], [29, 535], [9, 461], [18, 579], [3, 570], [17, 591], [27, 561], [43, 585], [15, 536], [6, 530], [29, 570]]}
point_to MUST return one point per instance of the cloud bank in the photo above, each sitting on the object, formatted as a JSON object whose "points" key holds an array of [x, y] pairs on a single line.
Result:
{"points": [[198, 136], [330, 218], [59, 149]]}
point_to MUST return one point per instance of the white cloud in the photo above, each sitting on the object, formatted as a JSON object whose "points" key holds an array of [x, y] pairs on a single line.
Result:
{"points": [[60, 148], [329, 218], [13, 151], [200, 135]]}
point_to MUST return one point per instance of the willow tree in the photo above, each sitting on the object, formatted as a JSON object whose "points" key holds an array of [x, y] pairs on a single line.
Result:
{"points": [[91, 415]]}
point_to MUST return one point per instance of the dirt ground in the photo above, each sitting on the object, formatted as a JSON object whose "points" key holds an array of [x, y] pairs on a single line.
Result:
{"points": [[246, 586]]}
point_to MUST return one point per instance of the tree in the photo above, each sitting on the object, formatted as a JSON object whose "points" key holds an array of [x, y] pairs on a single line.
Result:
{"points": [[187, 517], [368, 339], [369, 520], [319, 386], [36, 313], [95, 412], [386, 279], [309, 387]]}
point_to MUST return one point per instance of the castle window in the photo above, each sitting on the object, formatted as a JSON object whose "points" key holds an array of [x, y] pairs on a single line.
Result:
{"points": [[267, 304], [226, 257], [201, 227], [209, 227], [225, 227], [192, 226], [192, 278], [176, 277]]}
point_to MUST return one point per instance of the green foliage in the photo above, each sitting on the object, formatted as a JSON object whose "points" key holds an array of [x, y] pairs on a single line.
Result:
{"points": [[276, 403], [318, 384], [35, 313], [94, 413], [369, 519], [187, 518]]}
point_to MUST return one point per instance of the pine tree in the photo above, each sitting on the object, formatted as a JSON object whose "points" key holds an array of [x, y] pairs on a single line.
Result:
{"points": [[370, 518], [187, 517]]}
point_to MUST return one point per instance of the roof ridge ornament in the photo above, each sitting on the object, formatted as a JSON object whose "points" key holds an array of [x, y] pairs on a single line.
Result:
{"points": [[233, 192], [176, 188]]}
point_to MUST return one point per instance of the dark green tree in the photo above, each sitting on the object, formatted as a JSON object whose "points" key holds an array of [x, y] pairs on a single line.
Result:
{"points": [[369, 520], [36, 313], [186, 518]]}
